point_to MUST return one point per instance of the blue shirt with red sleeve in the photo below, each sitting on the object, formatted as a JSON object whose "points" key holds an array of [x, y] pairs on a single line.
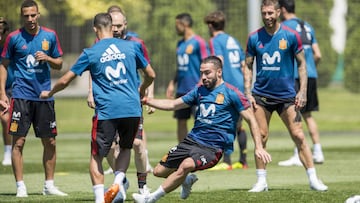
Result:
{"points": [[31, 76], [189, 55], [275, 57], [218, 111]]}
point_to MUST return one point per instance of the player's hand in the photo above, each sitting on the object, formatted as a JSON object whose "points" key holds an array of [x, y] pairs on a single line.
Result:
{"points": [[4, 98], [41, 56], [252, 101], [45, 95], [149, 109], [90, 100], [300, 100], [263, 155], [4, 107]]}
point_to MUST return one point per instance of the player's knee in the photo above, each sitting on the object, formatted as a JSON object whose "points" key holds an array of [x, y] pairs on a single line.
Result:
{"points": [[187, 165], [159, 171], [138, 146]]}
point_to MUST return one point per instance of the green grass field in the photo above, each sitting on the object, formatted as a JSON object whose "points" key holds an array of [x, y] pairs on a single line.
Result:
{"points": [[338, 121]]}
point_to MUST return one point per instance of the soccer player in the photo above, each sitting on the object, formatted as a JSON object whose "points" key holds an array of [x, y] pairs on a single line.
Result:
{"points": [[232, 55], [113, 65], [5, 117], [119, 27], [219, 107], [31, 50], [312, 56], [191, 49], [275, 48]]}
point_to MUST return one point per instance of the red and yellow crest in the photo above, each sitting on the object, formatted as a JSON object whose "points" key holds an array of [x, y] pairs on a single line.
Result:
{"points": [[220, 98], [189, 49], [282, 44], [14, 126], [45, 45]]}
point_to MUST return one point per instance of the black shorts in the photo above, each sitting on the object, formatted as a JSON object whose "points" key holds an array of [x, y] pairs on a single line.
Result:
{"points": [[184, 113], [39, 113], [312, 103], [104, 133], [204, 157], [271, 104]]}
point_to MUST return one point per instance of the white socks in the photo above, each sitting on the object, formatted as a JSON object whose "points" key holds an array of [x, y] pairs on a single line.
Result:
{"points": [[49, 183], [296, 152], [20, 183], [119, 177], [7, 149], [99, 193], [261, 175], [311, 172], [158, 193], [317, 148]]}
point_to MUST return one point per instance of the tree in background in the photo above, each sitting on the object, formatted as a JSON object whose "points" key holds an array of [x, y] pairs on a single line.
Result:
{"points": [[154, 20], [351, 56]]}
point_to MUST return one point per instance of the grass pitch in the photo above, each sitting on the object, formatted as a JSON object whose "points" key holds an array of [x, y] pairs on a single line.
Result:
{"points": [[338, 122], [286, 184]]}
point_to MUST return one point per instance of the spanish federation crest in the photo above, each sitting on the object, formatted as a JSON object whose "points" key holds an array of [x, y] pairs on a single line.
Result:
{"points": [[45, 45], [189, 49], [220, 98], [282, 44]]}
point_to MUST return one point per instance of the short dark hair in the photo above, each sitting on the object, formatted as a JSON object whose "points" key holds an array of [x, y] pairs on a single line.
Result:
{"points": [[216, 19], [115, 8], [214, 60], [275, 3], [102, 20], [29, 3], [289, 5], [5, 24], [186, 18]]}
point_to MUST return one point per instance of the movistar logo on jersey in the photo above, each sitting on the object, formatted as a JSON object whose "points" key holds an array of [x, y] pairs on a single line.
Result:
{"points": [[270, 60], [205, 112], [112, 53], [183, 61], [115, 73], [31, 62]]}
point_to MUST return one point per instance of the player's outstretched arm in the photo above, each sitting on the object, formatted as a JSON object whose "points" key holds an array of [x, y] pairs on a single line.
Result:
{"points": [[165, 104], [61, 84]]}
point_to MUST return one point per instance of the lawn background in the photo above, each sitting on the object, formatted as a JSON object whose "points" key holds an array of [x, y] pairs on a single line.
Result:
{"points": [[338, 120]]}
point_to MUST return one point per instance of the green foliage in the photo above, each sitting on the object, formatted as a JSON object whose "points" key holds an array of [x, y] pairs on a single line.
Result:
{"points": [[154, 20], [161, 37], [317, 14], [352, 61]]}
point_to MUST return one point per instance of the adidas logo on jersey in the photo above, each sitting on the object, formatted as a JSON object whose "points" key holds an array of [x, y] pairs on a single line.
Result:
{"points": [[112, 53], [231, 44]]}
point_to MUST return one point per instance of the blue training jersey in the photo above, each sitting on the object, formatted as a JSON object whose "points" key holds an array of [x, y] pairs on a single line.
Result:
{"points": [[275, 56], [189, 56], [230, 49], [113, 65], [31, 76], [309, 56], [217, 113]]}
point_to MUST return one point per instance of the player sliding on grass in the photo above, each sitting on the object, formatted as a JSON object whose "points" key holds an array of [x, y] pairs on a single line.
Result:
{"points": [[219, 107]]}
